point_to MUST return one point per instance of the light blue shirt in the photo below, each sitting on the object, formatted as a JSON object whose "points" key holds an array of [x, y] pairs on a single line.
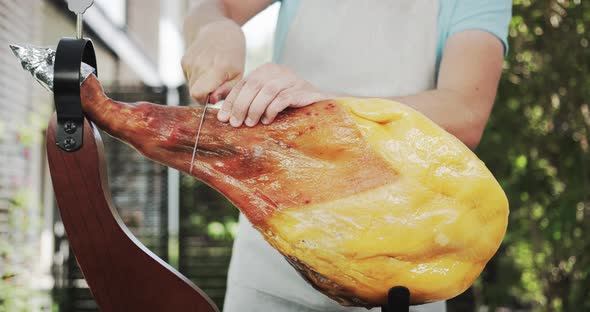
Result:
{"points": [[454, 16]]}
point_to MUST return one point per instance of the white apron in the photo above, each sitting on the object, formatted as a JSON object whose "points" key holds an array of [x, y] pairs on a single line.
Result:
{"points": [[377, 48]]}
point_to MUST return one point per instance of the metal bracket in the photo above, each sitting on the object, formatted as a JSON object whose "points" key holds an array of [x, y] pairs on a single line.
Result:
{"points": [[398, 300], [69, 56]]}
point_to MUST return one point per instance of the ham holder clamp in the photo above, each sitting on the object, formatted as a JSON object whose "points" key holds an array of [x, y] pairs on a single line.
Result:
{"points": [[122, 274]]}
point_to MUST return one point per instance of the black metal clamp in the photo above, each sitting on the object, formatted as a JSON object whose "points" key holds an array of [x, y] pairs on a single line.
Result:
{"points": [[398, 300], [69, 56]]}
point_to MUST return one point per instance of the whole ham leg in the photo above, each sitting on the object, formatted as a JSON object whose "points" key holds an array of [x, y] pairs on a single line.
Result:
{"points": [[358, 195]]}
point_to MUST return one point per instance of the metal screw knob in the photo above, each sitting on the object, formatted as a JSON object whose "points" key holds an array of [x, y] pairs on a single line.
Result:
{"points": [[70, 127], [69, 143], [79, 7]]}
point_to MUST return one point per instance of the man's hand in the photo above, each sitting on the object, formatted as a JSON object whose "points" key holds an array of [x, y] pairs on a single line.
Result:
{"points": [[264, 93], [216, 48], [214, 61]]}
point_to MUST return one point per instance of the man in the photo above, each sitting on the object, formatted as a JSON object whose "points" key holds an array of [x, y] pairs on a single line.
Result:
{"points": [[441, 57]]}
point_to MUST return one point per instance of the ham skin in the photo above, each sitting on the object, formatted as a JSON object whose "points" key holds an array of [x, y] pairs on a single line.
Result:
{"points": [[358, 195]]}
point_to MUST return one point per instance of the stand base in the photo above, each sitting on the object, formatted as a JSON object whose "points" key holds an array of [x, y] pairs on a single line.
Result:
{"points": [[398, 300]]}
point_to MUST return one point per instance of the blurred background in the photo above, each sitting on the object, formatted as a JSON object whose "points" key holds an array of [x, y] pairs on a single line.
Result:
{"points": [[536, 144]]}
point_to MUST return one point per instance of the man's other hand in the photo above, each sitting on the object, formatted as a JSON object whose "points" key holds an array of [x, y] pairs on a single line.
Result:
{"points": [[214, 61]]}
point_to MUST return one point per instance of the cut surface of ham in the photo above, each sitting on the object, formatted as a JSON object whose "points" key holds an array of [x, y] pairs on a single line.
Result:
{"points": [[358, 195]]}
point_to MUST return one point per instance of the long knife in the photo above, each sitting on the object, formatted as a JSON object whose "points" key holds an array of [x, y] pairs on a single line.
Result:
{"points": [[199, 133]]}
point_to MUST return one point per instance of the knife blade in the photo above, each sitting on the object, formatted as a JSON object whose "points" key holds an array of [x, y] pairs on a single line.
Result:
{"points": [[199, 133]]}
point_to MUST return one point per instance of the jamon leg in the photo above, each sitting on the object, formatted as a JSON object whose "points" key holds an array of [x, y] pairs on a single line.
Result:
{"points": [[358, 195]]}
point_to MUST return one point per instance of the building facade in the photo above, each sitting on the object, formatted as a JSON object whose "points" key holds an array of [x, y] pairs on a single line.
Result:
{"points": [[127, 37]]}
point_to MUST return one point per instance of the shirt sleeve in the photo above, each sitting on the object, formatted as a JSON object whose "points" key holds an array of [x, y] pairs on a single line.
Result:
{"points": [[492, 16], [286, 16]]}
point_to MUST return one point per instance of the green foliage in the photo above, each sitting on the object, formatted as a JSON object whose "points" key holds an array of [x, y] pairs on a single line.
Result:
{"points": [[208, 213], [15, 293], [30, 132], [15, 297], [16, 248], [536, 144]]}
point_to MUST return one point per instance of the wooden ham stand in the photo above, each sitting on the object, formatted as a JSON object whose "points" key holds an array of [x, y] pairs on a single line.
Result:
{"points": [[122, 274]]}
